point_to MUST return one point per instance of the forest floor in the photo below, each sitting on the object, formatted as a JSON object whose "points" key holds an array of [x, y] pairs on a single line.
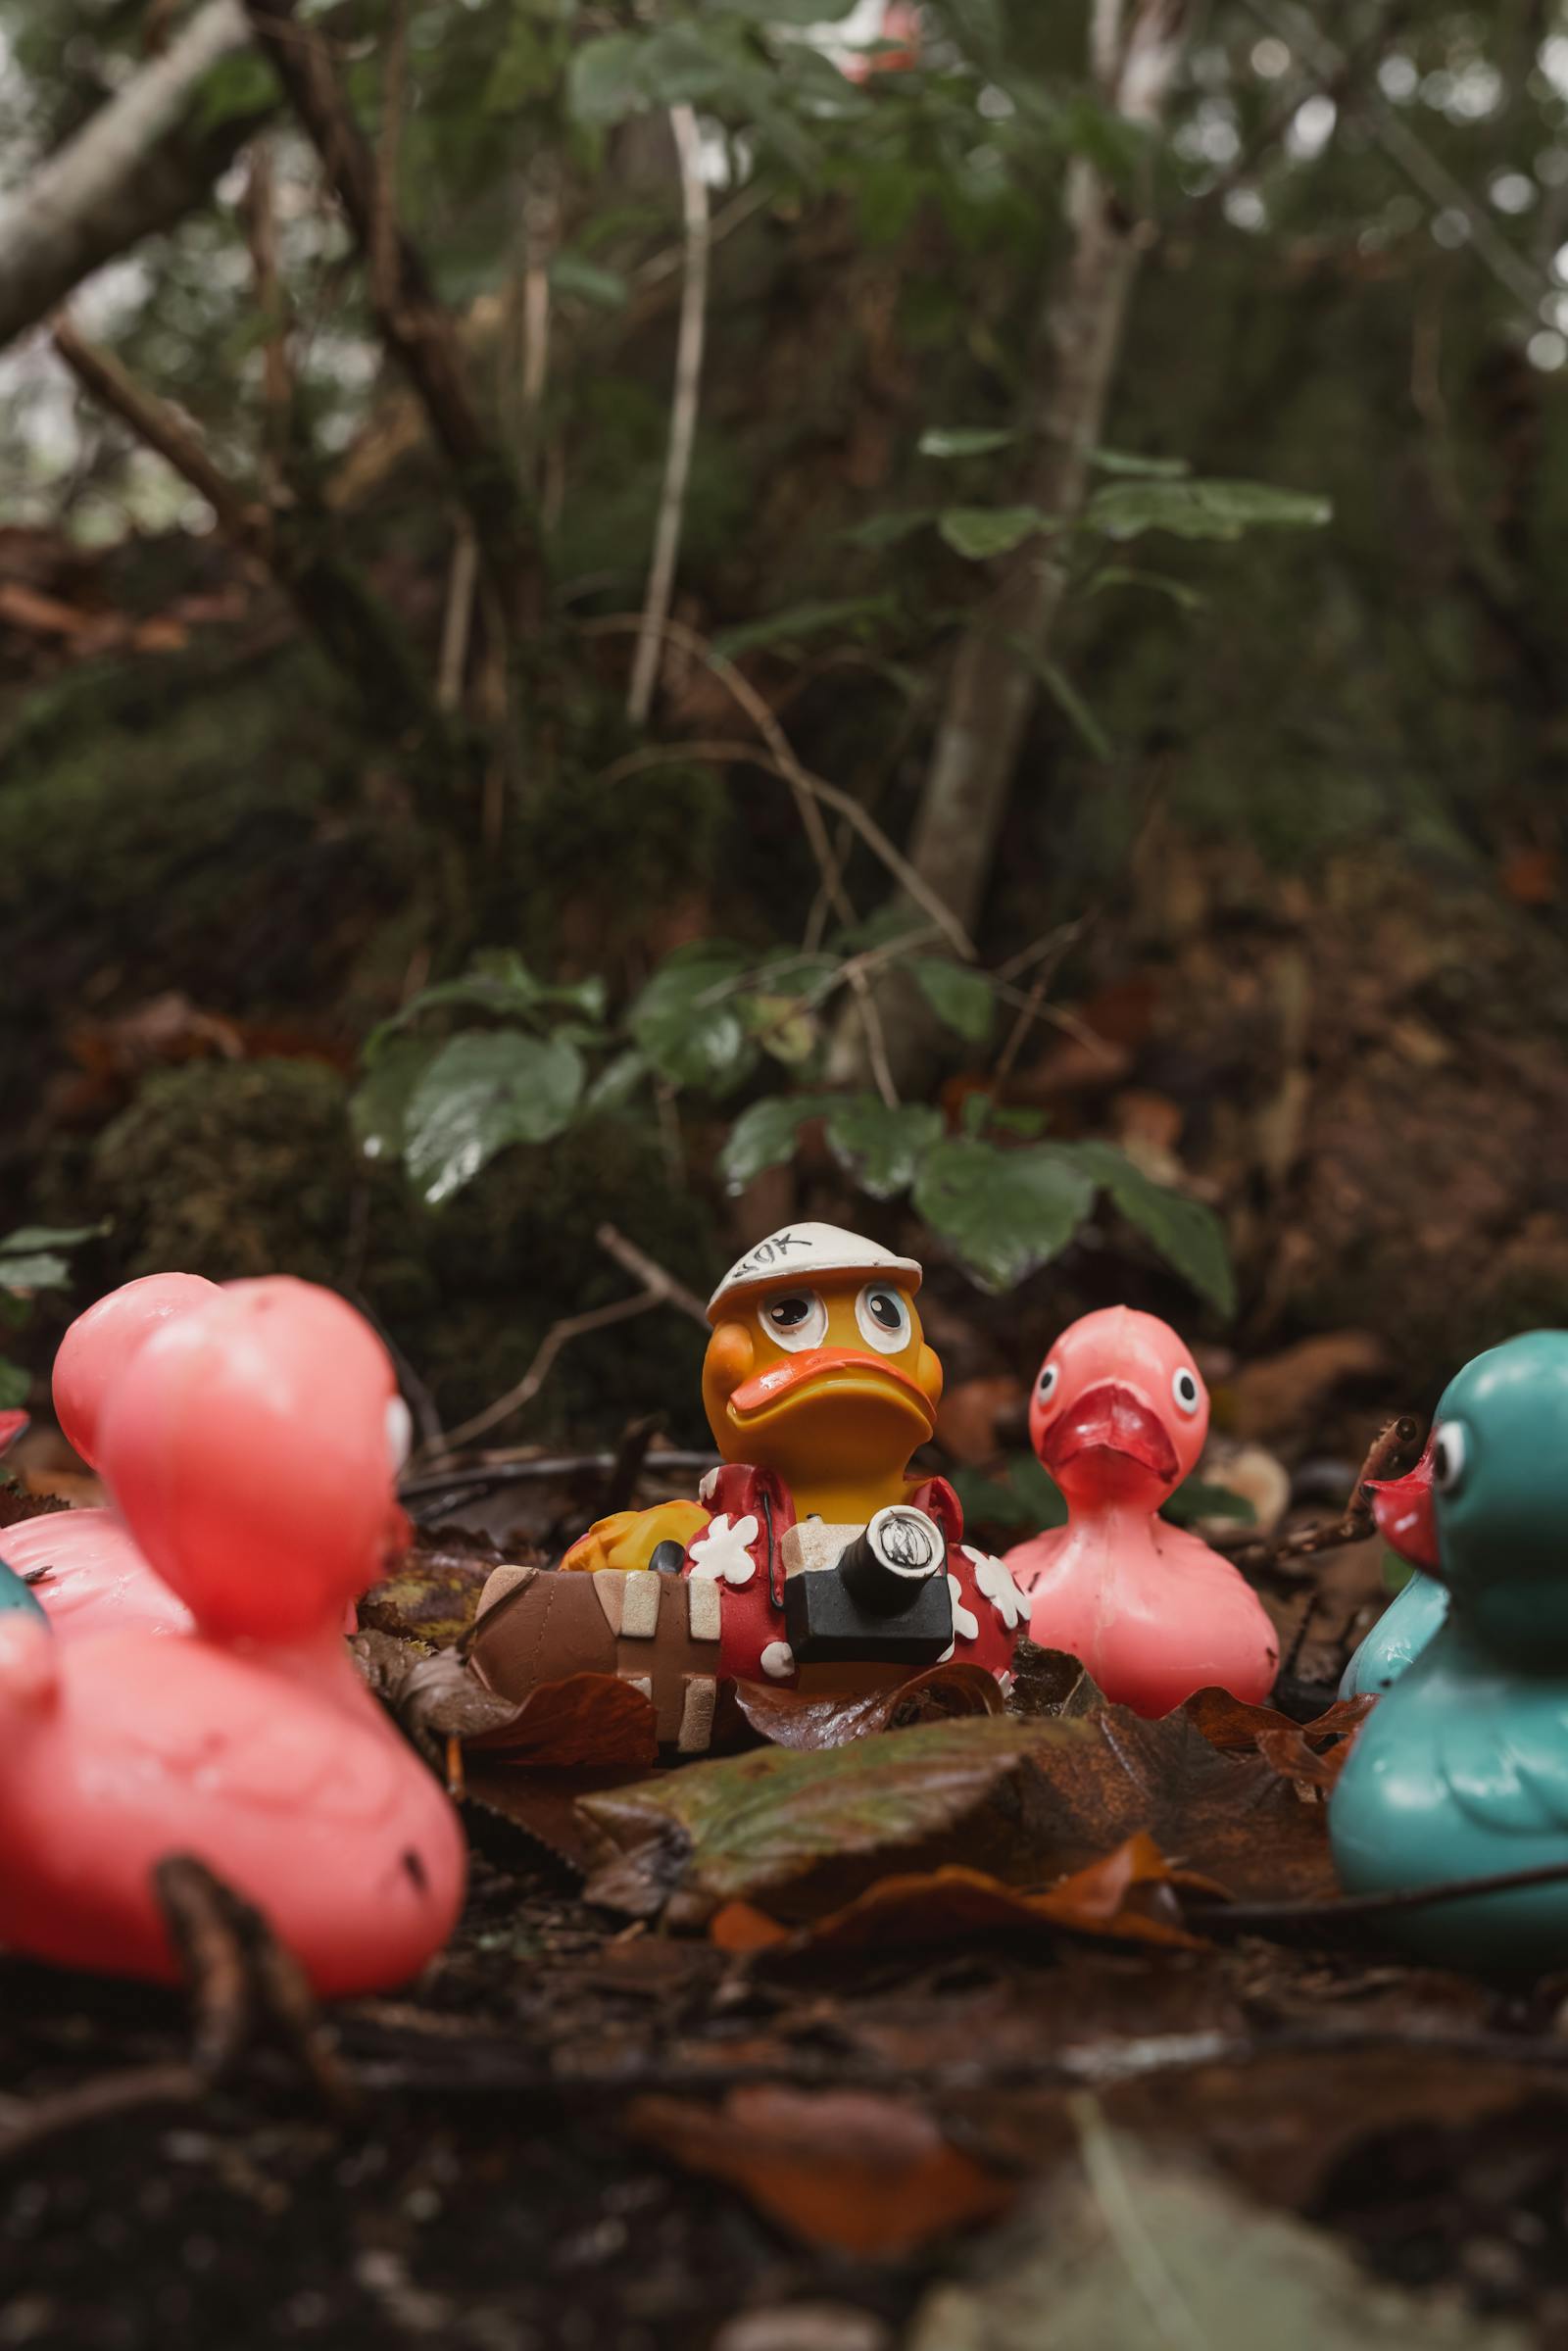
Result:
{"points": [[664, 2089]]}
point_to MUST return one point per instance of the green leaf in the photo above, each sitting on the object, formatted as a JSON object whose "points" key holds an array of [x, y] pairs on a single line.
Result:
{"points": [[42, 1270], [481, 1093], [1067, 698], [570, 274], [959, 996], [891, 529], [802, 620], [987, 1502], [379, 1110], [785, 1027], [1003, 1212], [966, 440], [1202, 510], [688, 1022], [1144, 468], [977, 532], [30, 1237], [237, 86], [1200, 1497], [683, 63], [1127, 575], [527, 66], [16, 1385], [791, 12], [1186, 1232], [604, 80], [879, 1144], [765, 1136], [618, 1082], [1037, 1490]]}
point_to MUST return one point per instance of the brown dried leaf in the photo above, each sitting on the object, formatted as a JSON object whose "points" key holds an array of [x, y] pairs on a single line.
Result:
{"points": [[593, 1721], [1309, 1754], [792, 1719], [1128, 1897], [431, 1594], [864, 2173]]}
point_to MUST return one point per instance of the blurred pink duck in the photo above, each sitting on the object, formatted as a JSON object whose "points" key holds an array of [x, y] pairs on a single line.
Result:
{"points": [[1118, 1416], [93, 1576], [254, 1458]]}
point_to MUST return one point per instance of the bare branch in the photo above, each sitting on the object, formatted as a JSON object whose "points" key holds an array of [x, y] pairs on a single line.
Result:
{"points": [[135, 166], [412, 319], [682, 417], [651, 1273]]}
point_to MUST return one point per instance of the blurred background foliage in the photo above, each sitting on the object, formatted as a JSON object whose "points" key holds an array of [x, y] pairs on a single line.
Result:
{"points": [[1274, 918]]}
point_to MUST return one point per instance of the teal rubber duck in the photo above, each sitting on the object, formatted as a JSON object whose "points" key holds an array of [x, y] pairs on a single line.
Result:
{"points": [[1461, 1770], [17, 1596]]}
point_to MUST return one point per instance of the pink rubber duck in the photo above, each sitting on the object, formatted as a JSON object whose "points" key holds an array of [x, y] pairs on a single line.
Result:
{"points": [[1118, 1416], [253, 1456], [94, 1578]]}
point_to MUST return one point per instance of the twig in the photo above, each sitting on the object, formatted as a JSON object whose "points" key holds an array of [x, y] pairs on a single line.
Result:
{"points": [[1388, 1451], [560, 1334], [876, 1043], [627, 1467], [652, 1276], [1329, 65], [161, 427], [1158, 2288], [1244, 1917], [413, 322], [277, 376], [354, 627], [458, 619], [682, 414], [25, 2125], [394, 80], [135, 166], [660, 755]]}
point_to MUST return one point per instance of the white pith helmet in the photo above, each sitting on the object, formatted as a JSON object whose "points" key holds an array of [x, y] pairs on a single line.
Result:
{"points": [[801, 1251]]}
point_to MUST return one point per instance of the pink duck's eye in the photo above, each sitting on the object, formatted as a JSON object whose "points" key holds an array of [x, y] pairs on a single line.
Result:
{"points": [[1046, 1384], [1185, 1389]]}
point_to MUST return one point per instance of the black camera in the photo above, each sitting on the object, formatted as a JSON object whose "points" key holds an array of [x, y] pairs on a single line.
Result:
{"points": [[881, 1597]]}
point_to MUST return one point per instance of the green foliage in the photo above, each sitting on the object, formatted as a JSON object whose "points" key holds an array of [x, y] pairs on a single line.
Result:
{"points": [[1202, 510], [979, 532], [481, 1093], [34, 1257], [959, 996], [687, 1021], [1004, 1214]]}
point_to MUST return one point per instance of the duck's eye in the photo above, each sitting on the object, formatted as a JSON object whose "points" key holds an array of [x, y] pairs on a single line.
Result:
{"points": [[1185, 1389], [1046, 1384], [398, 1434], [797, 1319], [1449, 1457], [883, 1315]]}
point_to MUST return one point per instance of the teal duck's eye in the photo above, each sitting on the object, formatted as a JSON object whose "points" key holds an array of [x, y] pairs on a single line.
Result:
{"points": [[1449, 1457], [1185, 1389], [797, 1320], [883, 1315]]}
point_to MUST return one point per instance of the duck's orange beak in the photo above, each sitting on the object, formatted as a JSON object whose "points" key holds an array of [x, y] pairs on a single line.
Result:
{"points": [[839, 1371], [1109, 1418]]}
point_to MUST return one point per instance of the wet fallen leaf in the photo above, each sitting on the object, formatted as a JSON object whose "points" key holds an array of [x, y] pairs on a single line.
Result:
{"points": [[1308, 1754], [432, 1592], [1128, 1897], [792, 1719], [543, 1803], [596, 1720], [1125, 2246], [808, 1829], [866, 2175]]}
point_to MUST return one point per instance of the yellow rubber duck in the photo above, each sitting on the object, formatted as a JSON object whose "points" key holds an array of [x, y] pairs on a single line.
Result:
{"points": [[817, 1370]]}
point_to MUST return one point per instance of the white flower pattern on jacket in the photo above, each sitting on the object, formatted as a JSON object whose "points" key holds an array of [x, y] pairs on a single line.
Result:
{"points": [[722, 1549]]}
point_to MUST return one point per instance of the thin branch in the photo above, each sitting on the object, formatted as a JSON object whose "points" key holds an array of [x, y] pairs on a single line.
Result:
{"points": [[560, 1334], [1388, 1451], [135, 166], [682, 414], [652, 1276], [413, 322], [271, 301], [1329, 65], [458, 619], [394, 88], [876, 1043], [354, 627]]}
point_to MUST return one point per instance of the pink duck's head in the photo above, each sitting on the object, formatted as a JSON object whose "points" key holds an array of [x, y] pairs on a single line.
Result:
{"points": [[1403, 1512], [1118, 1411], [255, 1452], [100, 1344]]}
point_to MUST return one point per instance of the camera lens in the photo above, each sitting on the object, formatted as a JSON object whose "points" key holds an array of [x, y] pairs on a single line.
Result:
{"points": [[891, 1561]]}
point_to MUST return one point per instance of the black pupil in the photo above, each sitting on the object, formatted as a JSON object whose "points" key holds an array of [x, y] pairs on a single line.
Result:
{"points": [[791, 1310], [885, 1311], [1186, 1391]]}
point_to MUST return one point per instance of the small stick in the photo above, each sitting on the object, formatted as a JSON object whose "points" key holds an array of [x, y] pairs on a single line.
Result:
{"points": [[1247, 1915], [626, 1468], [1386, 1451], [652, 1276], [560, 1334]]}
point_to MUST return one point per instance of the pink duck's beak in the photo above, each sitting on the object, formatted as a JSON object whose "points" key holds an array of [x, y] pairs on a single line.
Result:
{"points": [[1109, 1418], [1401, 1511]]}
